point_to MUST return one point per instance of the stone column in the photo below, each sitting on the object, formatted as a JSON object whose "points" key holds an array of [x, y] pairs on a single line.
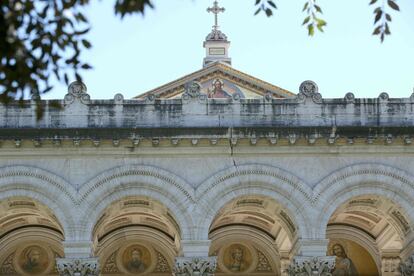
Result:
{"points": [[390, 266], [78, 267], [196, 266], [311, 266], [407, 267]]}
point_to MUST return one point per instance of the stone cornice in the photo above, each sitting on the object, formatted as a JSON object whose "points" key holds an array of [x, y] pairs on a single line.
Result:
{"points": [[194, 117]]}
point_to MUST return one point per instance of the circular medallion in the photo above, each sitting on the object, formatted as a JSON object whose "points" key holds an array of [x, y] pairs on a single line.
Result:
{"points": [[136, 259], [237, 258], [33, 260]]}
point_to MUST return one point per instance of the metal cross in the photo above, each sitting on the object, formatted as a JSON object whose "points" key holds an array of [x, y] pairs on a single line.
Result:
{"points": [[216, 10]]}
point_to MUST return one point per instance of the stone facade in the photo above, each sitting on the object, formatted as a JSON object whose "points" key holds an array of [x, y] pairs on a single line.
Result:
{"points": [[256, 184]]}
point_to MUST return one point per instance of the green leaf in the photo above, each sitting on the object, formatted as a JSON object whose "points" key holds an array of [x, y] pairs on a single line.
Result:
{"points": [[377, 30], [311, 30], [271, 3], [321, 22], [387, 29], [373, 2], [378, 17], [257, 11], [393, 5], [306, 20], [305, 6], [86, 43], [86, 66], [318, 9], [388, 17], [268, 12]]}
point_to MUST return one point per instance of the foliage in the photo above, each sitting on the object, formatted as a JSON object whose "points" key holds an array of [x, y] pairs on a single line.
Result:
{"points": [[43, 39], [382, 18]]}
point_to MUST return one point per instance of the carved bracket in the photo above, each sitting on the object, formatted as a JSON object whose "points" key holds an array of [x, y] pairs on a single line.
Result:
{"points": [[199, 266], [311, 266], [78, 267]]}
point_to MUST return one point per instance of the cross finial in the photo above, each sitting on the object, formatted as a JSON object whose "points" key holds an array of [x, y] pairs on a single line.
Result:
{"points": [[216, 10]]}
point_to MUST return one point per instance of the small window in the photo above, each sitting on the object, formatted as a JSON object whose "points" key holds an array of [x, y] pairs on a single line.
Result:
{"points": [[217, 51]]}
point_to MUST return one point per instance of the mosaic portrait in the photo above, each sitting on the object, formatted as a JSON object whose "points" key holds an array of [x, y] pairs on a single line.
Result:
{"points": [[343, 265], [33, 260], [237, 258], [220, 88], [351, 259], [136, 259]]}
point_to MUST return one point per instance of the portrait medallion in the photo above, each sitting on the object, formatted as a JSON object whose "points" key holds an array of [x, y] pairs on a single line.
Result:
{"points": [[237, 258], [136, 259], [33, 260]]}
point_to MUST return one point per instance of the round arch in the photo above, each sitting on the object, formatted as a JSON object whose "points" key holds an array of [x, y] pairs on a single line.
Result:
{"points": [[288, 190], [44, 187], [152, 182], [359, 180]]}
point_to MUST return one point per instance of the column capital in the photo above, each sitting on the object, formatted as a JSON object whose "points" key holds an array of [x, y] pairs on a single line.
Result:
{"points": [[311, 266], [407, 267], [195, 266], [78, 267], [390, 265]]}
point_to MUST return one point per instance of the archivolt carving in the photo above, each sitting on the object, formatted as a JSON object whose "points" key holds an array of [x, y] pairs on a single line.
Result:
{"points": [[134, 170], [49, 189], [254, 180], [36, 177], [148, 181], [255, 169], [362, 179]]}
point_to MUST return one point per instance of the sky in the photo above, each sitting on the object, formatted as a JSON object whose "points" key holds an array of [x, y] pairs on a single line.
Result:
{"points": [[139, 53]]}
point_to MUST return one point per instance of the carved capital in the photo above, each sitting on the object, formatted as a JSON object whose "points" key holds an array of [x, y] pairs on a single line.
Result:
{"points": [[407, 267], [78, 267], [311, 266], [198, 266], [390, 265]]}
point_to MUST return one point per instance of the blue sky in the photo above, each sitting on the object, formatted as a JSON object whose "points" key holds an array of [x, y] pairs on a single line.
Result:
{"points": [[138, 53]]}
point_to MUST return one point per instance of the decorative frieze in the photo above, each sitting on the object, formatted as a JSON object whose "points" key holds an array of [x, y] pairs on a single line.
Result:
{"points": [[78, 267], [198, 266], [311, 266]]}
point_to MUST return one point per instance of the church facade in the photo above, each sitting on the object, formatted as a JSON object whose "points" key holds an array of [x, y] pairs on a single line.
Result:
{"points": [[216, 173]]}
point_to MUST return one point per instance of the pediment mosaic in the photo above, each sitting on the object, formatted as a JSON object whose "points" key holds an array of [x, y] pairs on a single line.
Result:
{"points": [[219, 81]]}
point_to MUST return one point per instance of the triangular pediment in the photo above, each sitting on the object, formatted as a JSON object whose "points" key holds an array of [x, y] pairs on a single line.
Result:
{"points": [[220, 80]]}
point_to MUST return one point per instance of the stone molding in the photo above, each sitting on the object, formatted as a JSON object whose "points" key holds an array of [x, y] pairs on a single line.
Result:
{"points": [[43, 186], [149, 181], [407, 267], [195, 266], [258, 179], [311, 266], [78, 267], [362, 179], [368, 178]]}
